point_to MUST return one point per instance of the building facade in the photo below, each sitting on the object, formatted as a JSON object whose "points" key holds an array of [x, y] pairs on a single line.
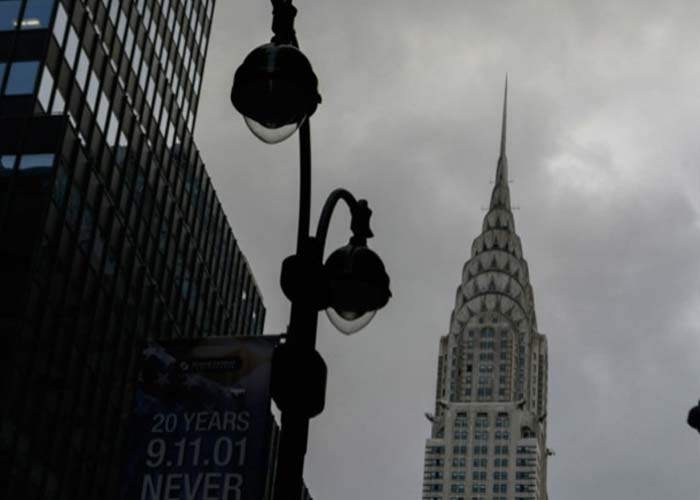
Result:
{"points": [[489, 429], [110, 229]]}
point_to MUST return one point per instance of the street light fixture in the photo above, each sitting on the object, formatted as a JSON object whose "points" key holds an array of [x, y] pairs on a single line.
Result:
{"points": [[357, 285], [275, 89], [694, 417]]}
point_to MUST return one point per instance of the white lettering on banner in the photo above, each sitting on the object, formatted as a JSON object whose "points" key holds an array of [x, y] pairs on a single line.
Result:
{"points": [[188, 452], [203, 421], [189, 416], [173, 483], [243, 420], [230, 420], [208, 485], [148, 488], [209, 488]]}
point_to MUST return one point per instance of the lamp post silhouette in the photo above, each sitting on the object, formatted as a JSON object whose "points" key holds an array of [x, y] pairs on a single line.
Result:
{"points": [[275, 89]]}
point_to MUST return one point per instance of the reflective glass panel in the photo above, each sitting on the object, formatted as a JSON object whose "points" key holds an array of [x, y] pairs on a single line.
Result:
{"points": [[114, 10], [9, 12], [60, 24], [113, 129], [45, 88], [72, 47], [36, 161], [59, 105], [22, 77], [121, 27], [92, 90], [60, 188], [81, 72], [7, 163], [102, 112], [37, 14]]}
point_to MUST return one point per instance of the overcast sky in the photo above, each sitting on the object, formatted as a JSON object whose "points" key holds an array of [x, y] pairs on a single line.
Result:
{"points": [[603, 150]]}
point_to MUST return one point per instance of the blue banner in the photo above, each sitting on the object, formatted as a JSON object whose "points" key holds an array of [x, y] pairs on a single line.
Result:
{"points": [[201, 420]]}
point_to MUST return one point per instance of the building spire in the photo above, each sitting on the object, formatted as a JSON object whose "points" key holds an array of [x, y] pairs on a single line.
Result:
{"points": [[501, 196], [504, 119]]}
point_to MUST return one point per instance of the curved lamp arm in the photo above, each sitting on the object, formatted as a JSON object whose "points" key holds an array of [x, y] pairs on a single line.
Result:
{"points": [[359, 212]]}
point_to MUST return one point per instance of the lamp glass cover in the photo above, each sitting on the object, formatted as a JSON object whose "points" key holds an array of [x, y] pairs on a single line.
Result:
{"points": [[270, 135], [349, 322]]}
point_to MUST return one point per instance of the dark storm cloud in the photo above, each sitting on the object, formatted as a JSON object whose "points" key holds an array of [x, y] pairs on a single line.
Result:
{"points": [[603, 151]]}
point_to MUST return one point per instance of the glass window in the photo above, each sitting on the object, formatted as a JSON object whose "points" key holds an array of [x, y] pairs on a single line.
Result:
{"points": [[171, 136], [81, 72], [59, 105], [71, 47], [36, 161], [159, 41], [129, 41], [60, 24], [60, 188], [198, 35], [205, 42], [150, 89], [9, 12], [92, 90], [114, 10], [37, 14], [187, 53], [169, 68], [152, 30], [2, 67], [136, 59], [102, 111], [73, 207], [113, 129], [85, 229], [158, 102], [143, 75], [45, 88], [22, 77], [7, 163], [121, 26]]}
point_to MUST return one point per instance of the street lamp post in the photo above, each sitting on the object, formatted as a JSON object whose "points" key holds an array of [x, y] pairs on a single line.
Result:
{"points": [[275, 90]]}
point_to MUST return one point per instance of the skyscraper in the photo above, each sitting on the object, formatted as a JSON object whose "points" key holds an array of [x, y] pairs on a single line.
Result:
{"points": [[110, 229], [489, 430]]}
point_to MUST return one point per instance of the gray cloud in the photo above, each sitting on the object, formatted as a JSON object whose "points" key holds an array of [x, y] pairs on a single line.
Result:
{"points": [[603, 151]]}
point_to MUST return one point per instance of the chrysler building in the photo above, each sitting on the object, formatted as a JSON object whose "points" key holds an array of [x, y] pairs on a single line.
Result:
{"points": [[489, 426]]}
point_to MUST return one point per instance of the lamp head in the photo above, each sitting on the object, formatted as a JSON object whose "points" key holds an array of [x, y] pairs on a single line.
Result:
{"points": [[275, 89], [694, 417], [358, 286]]}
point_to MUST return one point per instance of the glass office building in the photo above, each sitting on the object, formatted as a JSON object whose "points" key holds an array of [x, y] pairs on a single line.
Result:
{"points": [[110, 229]]}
